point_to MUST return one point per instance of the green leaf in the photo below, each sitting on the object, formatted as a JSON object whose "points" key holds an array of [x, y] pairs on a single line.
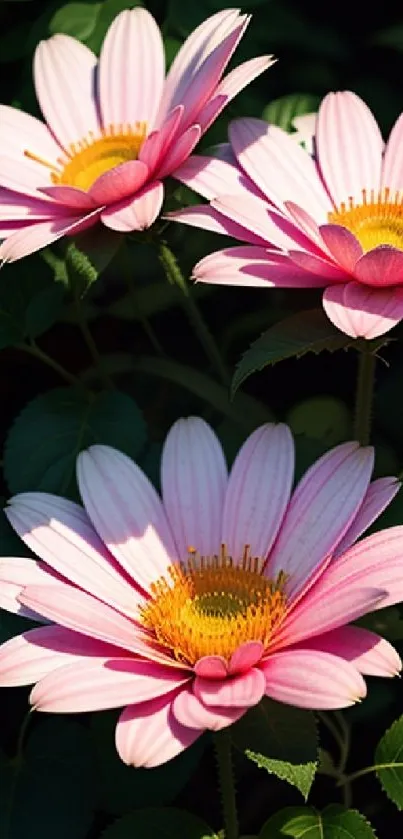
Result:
{"points": [[88, 255], [44, 310], [283, 111], [389, 762], [29, 302], [391, 37], [75, 19], [280, 739], [49, 792], [43, 444], [307, 331], [321, 418], [124, 788], [158, 823], [243, 410], [334, 822]]}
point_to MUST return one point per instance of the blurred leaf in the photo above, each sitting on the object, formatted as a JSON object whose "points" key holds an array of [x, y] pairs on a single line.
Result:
{"points": [[44, 310], [389, 760], [13, 45], [323, 418], [243, 410], [307, 331], [334, 822], [150, 300], [280, 739], [390, 37], [75, 19], [161, 823], [30, 302], [386, 622], [307, 450], [49, 791], [283, 111], [45, 439], [124, 788]]}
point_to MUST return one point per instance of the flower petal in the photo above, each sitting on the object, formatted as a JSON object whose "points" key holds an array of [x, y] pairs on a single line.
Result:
{"points": [[322, 507], [178, 151], [349, 147], [254, 267], [370, 654], [148, 734], [211, 177], [193, 480], [230, 86], [34, 237], [136, 213], [312, 679], [253, 214], [68, 197], [242, 691], [392, 170], [119, 183], [131, 70], [211, 667], [342, 244], [316, 265], [204, 216], [155, 145], [380, 267], [64, 76], [21, 132], [258, 491], [363, 312], [245, 657], [15, 573], [379, 494], [102, 683], [190, 712], [126, 512], [61, 534]]}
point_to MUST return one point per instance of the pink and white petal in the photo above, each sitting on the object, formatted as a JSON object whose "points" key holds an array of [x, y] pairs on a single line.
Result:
{"points": [[380, 267], [127, 512], [15, 573], [148, 734], [190, 712], [254, 267], [392, 170], [379, 494], [258, 491], [212, 177], [69, 196], [64, 77], [322, 507], [131, 70], [342, 244], [9, 593], [306, 224], [313, 679], [21, 132], [245, 657], [61, 534], [203, 215], [178, 151], [155, 145], [16, 207], [191, 56], [211, 667], [136, 213], [305, 127], [194, 480], [253, 214], [349, 147], [363, 312], [119, 183], [25, 177], [368, 652], [278, 165], [242, 691], [29, 657], [36, 236], [230, 86], [101, 683]]}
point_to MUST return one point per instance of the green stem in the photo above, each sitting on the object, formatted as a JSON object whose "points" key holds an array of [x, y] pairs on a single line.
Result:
{"points": [[91, 345], [222, 743], [175, 277], [347, 779], [364, 397], [36, 352], [135, 301]]}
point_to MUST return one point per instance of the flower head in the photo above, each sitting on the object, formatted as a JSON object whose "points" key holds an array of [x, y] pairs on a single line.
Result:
{"points": [[114, 129], [332, 219], [187, 610]]}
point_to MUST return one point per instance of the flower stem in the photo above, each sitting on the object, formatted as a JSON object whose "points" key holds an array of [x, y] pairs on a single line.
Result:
{"points": [[91, 345], [135, 300], [36, 352], [364, 396], [222, 743], [175, 277]]}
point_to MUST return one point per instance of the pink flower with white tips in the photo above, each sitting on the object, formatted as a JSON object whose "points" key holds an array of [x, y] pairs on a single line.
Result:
{"points": [[333, 220], [114, 129], [186, 611]]}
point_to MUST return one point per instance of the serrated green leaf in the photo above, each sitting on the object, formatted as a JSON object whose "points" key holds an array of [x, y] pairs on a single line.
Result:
{"points": [[43, 444], [50, 791], [389, 762], [334, 822], [75, 19], [283, 111], [308, 331], [164, 823], [280, 739]]}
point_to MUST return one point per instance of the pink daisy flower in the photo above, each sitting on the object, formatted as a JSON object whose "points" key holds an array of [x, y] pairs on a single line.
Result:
{"points": [[114, 129], [333, 220], [189, 609]]}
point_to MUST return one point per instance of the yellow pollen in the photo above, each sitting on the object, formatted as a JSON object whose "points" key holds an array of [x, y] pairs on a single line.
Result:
{"points": [[210, 605], [93, 156], [377, 221]]}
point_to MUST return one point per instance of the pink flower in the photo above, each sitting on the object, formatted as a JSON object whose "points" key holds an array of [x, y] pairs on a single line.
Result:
{"points": [[114, 129], [188, 610], [332, 220]]}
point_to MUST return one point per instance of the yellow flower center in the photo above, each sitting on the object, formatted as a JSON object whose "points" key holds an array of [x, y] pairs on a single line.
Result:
{"points": [[378, 221], [211, 605], [91, 157]]}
